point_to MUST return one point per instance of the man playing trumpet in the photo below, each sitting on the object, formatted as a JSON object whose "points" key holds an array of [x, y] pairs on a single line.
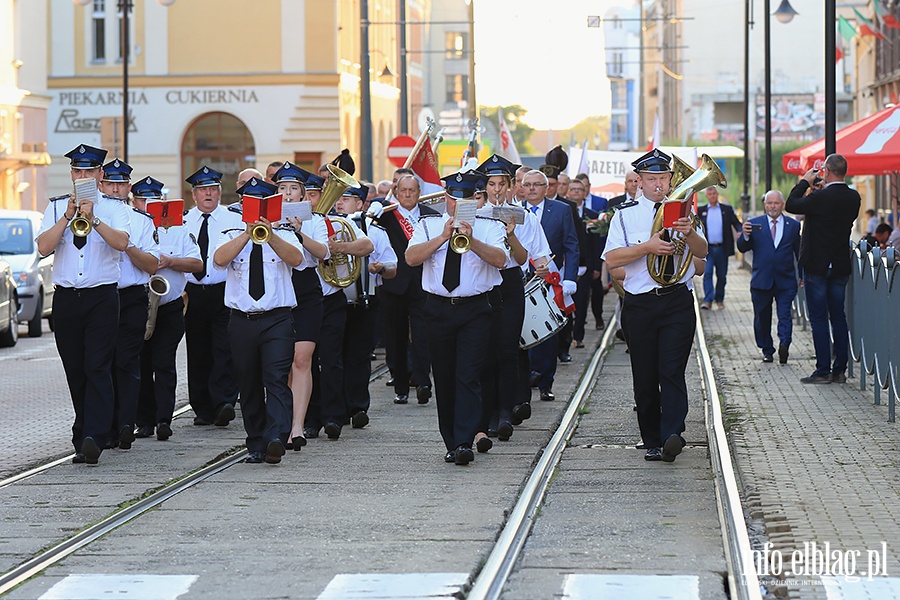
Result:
{"points": [[661, 318]]}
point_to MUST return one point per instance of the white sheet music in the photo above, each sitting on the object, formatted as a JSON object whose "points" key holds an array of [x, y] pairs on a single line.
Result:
{"points": [[86, 189], [507, 212], [300, 210], [465, 211]]}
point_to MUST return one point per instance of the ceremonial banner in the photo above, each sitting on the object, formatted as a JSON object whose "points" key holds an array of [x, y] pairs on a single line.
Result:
{"points": [[507, 144]]}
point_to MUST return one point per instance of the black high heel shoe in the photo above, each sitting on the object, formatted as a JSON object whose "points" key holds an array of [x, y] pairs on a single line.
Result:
{"points": [[298, 442]]}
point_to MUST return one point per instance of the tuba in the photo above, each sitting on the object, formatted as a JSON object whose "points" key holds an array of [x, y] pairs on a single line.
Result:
{"points": [[159, 287], [688, 181], [340, 270]]}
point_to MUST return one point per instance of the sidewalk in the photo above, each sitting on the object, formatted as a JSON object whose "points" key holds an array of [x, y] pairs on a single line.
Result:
{"points": [[818, 463]]}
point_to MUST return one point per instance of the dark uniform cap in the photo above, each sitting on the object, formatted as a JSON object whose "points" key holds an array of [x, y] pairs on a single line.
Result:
{"points": [[555, 162], [205, 177], [147, 188], [345, 162], [362, 192], [551, 171], [86, 157], [461, 185], [257, 188], [481, 184], [291, 172], [314, 182], [498, 165], [655, 161], [117, 170]]}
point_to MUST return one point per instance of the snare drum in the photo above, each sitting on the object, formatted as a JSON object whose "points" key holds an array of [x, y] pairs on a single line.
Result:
{"points": [[543, 318]]}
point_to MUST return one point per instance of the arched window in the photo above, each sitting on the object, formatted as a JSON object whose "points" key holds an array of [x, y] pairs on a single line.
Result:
{"points": [[220, 141]]}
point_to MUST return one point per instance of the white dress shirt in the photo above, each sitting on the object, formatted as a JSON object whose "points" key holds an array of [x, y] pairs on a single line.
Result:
{"points": [[635, 223], [316, 229], [532, 237], [327, 288], [276, 273], [475, 275], [175, 242], [97, 263], [141, 238], [220, 219]]}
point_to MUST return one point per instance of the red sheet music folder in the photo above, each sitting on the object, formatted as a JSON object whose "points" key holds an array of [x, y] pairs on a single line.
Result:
{"points": [[269, 208], [672, 211], [166, 213]]}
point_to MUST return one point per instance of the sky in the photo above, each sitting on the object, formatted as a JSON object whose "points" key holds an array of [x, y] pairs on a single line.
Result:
{"points": [[568, 81]]}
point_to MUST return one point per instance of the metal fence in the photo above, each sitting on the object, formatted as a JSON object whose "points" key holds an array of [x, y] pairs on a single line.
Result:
{"points": [[873, 312]]}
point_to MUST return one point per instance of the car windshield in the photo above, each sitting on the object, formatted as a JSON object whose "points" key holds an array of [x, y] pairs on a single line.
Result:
{"points": [[16, 236]]}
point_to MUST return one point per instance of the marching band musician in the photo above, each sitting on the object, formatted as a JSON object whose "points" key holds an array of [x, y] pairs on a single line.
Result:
{"points": [[661, 319], [86, 305], [504, 381], [359, 333], [139, 261], [313, 234], [178, 255], [402, 297], [458, 309], [260, 296], [328, 386], [212, 390]]}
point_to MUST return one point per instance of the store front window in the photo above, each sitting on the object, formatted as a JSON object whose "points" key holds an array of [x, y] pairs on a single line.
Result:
{"points": [[221, 141]]}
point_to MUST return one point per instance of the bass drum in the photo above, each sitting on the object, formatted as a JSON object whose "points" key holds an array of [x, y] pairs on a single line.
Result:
{"points": [[543, 318]]}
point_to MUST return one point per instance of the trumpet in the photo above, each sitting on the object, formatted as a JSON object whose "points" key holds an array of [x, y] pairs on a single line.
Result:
{"points": [[460, 242], [80, 226], [260, 234], [159, 287]]}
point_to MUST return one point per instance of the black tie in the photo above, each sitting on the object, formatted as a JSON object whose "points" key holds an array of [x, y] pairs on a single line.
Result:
{"points": [[79, 241], [203, 241], [450, 280], [257, 282]]}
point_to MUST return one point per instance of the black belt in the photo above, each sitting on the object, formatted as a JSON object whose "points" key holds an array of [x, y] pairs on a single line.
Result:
{"points": [[460, 299], [133, 288], [207, 286], [253, 316], [663, 291], [105, 286], [714, 245]]}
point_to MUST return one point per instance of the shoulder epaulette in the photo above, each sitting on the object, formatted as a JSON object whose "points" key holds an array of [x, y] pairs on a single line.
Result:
{"points": [[491, 219], [429, 215], [184, 214], [628, 204], [108, 197], [141, 212], [377, 226], [237, 209], [62, 197], [233, 229]]}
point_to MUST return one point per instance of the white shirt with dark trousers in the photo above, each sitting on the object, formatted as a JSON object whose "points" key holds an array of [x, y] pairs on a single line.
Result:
{"points": [[459, 323], [262, 339]]}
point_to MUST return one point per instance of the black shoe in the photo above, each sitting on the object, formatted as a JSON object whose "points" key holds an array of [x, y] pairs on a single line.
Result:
{"points": [[484, 444], [332, 430], [274, 452], [547, 396], [839, 378], [126, 437], [641, 445], [492, 433], [163, 431], [359, 420], [521, 412], [816, 379], [91, 451], [672, 447], [504, 431], [653, 454], [78, 459], [372, 356], [255, 458], [600, 325], [401, 399], [767, 358], [533, 378], [144, 431], [297, 443], [310, 432], [782, 354], [450, 457], [579, 344], [224, 416], [620, 335], [423, 394], [464, 455], [201, 421], [389, 382], [565, 358]]}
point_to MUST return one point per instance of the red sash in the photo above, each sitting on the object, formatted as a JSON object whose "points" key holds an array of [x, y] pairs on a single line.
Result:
{"points": [[405, 225]]}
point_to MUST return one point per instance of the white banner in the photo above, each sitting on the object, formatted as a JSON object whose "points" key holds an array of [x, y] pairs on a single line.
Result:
{"points": [[607, 169]]}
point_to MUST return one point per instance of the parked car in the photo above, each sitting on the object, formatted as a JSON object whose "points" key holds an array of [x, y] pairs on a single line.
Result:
{"points": [[32, 273], [9, 307]]}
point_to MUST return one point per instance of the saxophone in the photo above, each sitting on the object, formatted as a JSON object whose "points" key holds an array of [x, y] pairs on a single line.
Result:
{"points": [[159, 287]]}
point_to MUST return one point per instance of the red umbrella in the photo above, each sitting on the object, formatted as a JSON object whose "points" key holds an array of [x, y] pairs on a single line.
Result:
{"points": [[871, 147]]}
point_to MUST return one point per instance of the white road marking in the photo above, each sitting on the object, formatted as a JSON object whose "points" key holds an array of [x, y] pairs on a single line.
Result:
{"points": [[120, 587], [383, 586], [879, 588], [595, 586]]}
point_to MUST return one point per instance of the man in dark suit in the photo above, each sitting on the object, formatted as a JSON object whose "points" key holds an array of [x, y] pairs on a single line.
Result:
{"points": [[589, 249], [825, 261], [718, 221], [632, 187], [775, 241], [559, 227]]}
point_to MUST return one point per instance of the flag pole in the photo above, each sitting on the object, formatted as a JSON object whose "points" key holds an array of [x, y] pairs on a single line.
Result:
{"points": [[417, 147]]}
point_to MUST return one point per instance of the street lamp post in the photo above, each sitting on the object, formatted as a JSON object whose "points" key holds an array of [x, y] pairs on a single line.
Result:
{"points": [[365, 93], [784, 14], [830, 80]]}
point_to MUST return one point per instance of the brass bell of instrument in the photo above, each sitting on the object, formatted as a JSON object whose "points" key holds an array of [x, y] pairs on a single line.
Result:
{"points": [[460, 243], [340, 270], [80, 226], [260, 234]]}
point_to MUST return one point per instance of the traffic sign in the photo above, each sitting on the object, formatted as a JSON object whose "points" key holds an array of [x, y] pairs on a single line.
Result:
{"points": [[399, 149]]}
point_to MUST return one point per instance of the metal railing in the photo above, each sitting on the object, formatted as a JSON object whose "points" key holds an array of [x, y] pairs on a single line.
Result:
{"points": [[873, 311]]}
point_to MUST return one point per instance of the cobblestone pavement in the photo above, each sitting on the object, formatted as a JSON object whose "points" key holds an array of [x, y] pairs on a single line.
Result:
{"points": [[818, 463]]}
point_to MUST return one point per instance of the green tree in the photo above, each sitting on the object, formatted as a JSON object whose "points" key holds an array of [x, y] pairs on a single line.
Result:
{"points": [[521, 131], [593, 129]]}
